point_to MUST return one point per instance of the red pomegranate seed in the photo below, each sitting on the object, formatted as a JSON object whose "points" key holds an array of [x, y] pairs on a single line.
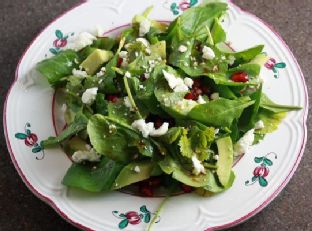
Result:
{"points": [[112, 98], [189, 96], [197, 91], [158, 123], [240, 77], [119, 62], [186, 188], [147, 191], [142, 77]]}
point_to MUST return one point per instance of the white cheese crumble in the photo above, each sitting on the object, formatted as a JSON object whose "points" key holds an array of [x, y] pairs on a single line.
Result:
{"points": [[182, 48], [101, 72], [201, 100], [176, 84], [123, 54], [148, 129], [137, 169], [81, 41], [89, 95], [198, 167], [90, 155], [259, 125], [231, 59], [214, 96], [188, 82], [216, 157], [79, 73], [127, 74], [244, 143], [208, 53], [143, 41], [145, 27]]}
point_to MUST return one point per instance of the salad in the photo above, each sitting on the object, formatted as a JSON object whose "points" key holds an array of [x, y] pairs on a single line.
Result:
{"points": [[160, 108]]}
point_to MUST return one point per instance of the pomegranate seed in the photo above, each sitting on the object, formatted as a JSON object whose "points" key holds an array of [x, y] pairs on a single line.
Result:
{"points": [[158, 123], [119, 62], [112, 98], [197, 91], [240, 77], [196, 83], [186, 188], [147, 191], [189, 96]]}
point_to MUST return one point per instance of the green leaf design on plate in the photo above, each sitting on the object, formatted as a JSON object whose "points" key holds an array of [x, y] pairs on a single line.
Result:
{"points": [[280, 65], [20, 136], [123, 224], [254, 178], [59, 34], [53, 51], [267, 162], [263, 182], [143, 209], [147, 217], [36, 149], [258, 159], [122, 215]]}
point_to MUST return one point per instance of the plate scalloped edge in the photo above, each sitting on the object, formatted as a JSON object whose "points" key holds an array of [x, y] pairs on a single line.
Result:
{"points": [[235, 222]]}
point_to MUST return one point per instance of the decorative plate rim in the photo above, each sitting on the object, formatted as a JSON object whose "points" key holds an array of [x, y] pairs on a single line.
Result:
{"points": [[50, 201]]}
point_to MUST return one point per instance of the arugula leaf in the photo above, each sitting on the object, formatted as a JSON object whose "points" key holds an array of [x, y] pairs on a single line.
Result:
{"points": [[79, 124], [268, 104], [58, 66], [93, 177], [220, 112]]}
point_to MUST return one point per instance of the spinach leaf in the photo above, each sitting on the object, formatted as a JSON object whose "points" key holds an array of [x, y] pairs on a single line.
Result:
{"points": [[58, 66], [193, 23], [245, 56], [79, 124], [117, 140], [101, 104], [105, 43], [217, 32], [268, 104], [172, 135], [270, 119], [93, 177], [220, 112]]}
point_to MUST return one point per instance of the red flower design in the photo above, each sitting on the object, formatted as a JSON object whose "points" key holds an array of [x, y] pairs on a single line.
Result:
{"points": [[261, 171], [270, 63], [31, 139], [58, 43], [184, 5], [133, 217]]}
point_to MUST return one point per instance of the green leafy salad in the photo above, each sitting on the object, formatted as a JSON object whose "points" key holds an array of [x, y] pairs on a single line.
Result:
{"points": [[160, 107]]}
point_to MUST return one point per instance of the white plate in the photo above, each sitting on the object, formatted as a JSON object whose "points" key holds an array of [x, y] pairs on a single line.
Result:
{"points": [[28, 111]]}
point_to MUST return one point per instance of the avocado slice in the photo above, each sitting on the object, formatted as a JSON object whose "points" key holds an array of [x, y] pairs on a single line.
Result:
{"points": [[159, 48], [225, 161], [133, 172], [93, 62], [76, 144]]}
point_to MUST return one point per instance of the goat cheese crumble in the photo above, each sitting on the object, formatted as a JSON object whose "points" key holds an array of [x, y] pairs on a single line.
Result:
{"points": [[148, 129], [208, 53], [198, 167], [89, 95], [244, 143], [81, 41]]}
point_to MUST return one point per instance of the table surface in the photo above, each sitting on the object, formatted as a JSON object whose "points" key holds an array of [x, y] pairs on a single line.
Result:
{"points": [[20, 23]]}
